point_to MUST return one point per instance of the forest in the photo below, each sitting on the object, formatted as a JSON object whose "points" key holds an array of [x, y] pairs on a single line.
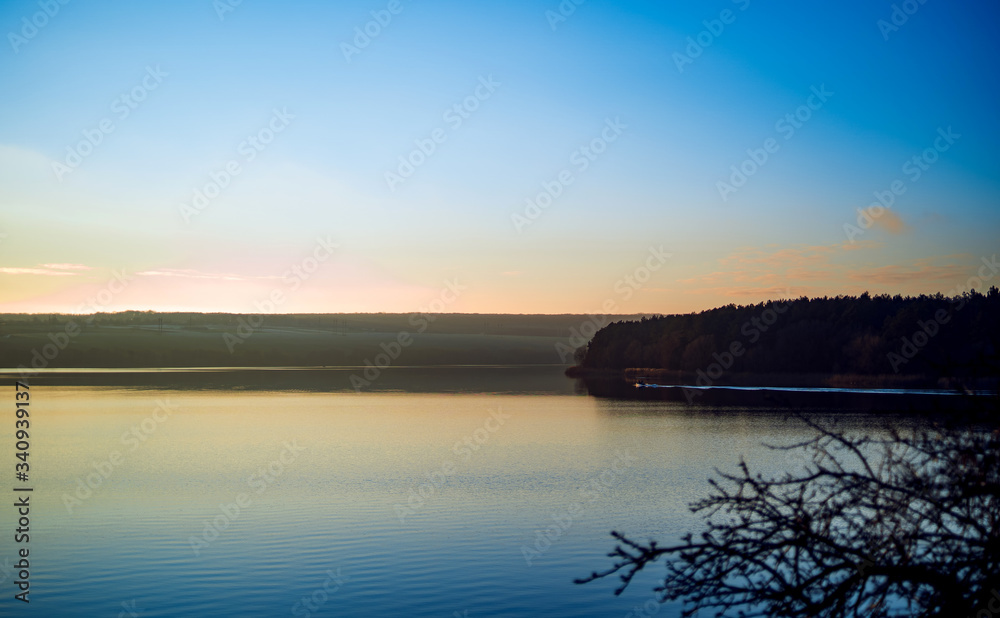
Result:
{"points": [[856, 335]]}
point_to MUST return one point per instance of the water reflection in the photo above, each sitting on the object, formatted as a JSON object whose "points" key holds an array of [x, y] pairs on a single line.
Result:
{"points": [[792, 399], [525, 379], [482, 459]]}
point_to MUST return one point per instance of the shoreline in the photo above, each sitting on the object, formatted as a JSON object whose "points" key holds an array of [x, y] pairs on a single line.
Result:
{"points": [[665, 377]]}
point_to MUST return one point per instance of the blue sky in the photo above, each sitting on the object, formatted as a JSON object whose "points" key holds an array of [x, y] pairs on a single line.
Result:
{"points": [[557, 83]]}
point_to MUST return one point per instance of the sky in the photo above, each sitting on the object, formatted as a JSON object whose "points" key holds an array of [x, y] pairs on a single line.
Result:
{"points": [[493, 157]]}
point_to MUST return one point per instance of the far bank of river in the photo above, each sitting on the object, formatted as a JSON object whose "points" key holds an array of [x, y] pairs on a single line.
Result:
{"points": [[905, 393]]}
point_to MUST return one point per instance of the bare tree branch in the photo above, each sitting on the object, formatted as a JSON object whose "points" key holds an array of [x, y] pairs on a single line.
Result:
{"points": [[904, 524]]}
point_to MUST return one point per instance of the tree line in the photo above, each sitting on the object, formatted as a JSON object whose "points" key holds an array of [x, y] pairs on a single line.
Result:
{"points": [[865, 335]]}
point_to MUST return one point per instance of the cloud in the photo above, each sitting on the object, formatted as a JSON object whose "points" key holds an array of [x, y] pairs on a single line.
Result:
{"points": [[839, 268], [709, 278], [918, 272], [190, 273], [811, 274], [771, 266], [775, 291], [890, 222], [772, 291], [800, 256], [36, 271], [67, 266], [861, 245], [47, 270]]}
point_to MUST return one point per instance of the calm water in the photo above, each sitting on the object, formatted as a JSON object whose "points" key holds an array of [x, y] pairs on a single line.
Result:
{"points": [[390, 503]]}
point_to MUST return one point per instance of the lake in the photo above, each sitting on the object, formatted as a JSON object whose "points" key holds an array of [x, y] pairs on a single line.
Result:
{"points": [[441, 492]]}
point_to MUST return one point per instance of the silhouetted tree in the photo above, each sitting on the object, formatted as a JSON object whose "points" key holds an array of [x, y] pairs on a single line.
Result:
{"points": [[907, 524]]}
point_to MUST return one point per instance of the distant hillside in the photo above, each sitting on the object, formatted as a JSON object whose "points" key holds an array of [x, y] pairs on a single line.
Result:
{"points": [[866, 335], [149, 339]]}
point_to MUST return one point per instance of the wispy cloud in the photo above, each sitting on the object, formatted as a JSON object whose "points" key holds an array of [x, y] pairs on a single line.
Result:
{"points": [[861, 245], [891, 222], [811, 274], [799, 256], [824, 269], [46, 270], [770, 267], [189, 273], [774, 291], [709, 278], [67, 266], [895, 274]]}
